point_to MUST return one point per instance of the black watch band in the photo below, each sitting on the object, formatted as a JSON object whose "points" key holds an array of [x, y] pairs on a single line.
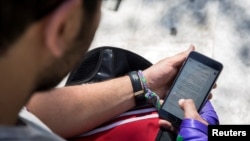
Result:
{"points": [[138, 89]]}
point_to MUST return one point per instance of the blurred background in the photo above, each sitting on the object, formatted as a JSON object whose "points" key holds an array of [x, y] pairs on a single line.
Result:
{"points": [[160, 28]]}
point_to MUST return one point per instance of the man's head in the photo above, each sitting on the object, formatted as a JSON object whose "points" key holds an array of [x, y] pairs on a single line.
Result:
{"points": [[42, 40]]}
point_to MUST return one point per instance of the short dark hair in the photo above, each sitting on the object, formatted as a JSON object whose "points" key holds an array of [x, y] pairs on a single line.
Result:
{"points": [[17, 15]]}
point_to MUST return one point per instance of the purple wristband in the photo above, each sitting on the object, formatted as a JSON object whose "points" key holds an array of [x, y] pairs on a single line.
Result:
{"points": [[192, 130], [209, 114], [195, 124]]}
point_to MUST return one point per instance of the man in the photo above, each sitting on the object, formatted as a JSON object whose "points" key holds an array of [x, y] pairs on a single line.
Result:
{"points": [[40, 42]]}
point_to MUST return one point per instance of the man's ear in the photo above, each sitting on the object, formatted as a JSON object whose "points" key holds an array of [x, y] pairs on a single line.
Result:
{"points": [[57, 34]]}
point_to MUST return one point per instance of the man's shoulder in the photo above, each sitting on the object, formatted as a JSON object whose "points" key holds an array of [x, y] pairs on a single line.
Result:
{"points": [[27, 130]]}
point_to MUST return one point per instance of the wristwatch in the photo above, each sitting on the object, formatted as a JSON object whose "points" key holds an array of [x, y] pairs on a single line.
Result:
{"points": [[138, 89]]}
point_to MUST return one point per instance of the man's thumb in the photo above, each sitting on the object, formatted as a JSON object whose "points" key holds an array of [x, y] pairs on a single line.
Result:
{"points": [[187, 105]]}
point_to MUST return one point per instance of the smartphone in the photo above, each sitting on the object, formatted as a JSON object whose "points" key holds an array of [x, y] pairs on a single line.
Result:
{"points": [[194, 81]]}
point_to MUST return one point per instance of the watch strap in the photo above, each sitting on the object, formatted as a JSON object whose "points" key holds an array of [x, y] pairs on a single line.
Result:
{"points": [[138, 89]]}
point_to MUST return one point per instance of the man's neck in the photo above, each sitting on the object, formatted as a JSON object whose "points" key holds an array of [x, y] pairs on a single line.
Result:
{"points": [[15, 89], [13, 98]]}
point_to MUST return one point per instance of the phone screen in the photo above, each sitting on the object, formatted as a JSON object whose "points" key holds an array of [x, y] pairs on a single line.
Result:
{"points": [[194, 82]]}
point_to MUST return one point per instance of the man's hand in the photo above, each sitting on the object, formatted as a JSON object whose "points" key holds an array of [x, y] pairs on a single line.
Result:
{"points": [[160, 76], [190, 112]]}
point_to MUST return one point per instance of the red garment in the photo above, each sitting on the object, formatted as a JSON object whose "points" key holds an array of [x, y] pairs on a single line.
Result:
{"points": [[137, 125]]}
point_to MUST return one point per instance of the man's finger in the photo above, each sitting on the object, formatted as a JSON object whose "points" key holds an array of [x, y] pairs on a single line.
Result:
{"points": [[210, 96], [179, 58], [188, 107], [190, 110], [187, 104], [215, 86], [161, 101], [167, 125]]}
